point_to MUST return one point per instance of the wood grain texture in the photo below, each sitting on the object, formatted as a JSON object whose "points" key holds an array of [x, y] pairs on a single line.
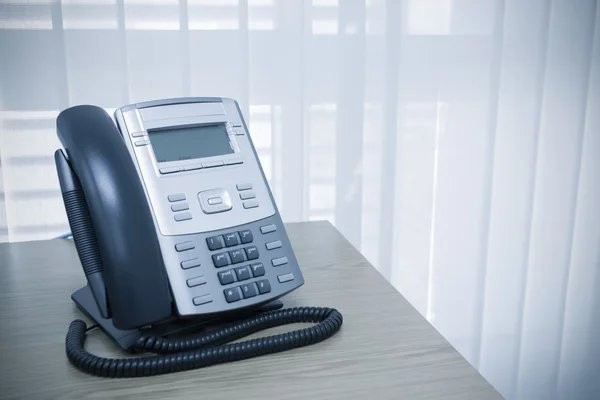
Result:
{"points": [[385, 349]]}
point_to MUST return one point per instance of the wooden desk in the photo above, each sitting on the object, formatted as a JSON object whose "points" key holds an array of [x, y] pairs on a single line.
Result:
{"points": [[385, 349]]}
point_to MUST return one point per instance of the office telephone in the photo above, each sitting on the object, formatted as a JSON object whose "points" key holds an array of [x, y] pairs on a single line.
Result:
{"points": [[177, 230]]}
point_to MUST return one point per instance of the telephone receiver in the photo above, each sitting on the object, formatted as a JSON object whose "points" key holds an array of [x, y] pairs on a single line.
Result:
{"points": [[180, 240]]}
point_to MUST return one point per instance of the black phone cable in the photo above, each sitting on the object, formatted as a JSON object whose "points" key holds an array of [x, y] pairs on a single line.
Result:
{"points": [[208, 348]]}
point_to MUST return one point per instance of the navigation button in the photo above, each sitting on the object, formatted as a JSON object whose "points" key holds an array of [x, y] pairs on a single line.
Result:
{"points": [[285, 278], [248, 290], [198, 301], [195, 262], [214, 200], [180, 206], [211, 164], [268, 228], [176, 197], [250, 204], [184, 246], [199, 280], [273, 245], [279, 261], [169, 170], [184, 216], [247, 194], [263, 286], [232, 294]]}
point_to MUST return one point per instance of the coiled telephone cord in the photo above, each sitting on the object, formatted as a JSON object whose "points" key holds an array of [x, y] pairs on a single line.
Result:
{"points": [[208, 348]]}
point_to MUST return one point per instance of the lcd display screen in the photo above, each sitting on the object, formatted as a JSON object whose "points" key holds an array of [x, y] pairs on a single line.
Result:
{"points": [[176, 144]]}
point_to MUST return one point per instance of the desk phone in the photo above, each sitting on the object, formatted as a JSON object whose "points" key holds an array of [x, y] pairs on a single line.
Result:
{"points": [[177, 230]]}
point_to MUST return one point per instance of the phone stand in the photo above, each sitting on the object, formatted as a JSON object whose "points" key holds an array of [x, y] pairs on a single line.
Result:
{"points": [[170, 328]]}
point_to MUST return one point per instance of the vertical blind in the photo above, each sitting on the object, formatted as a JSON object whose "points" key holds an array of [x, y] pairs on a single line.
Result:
{"points": [[456, 143]]}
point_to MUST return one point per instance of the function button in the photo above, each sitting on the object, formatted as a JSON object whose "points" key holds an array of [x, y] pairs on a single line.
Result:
{"points": [[263, 286], [243, 186], [224, 205], [221, 259], [138, 134], [184, 246], [268, 228], [180, 206], [252, 252], [243, 273], [197, 281], [215, 242], [285, 278], [237, 256], [279, 261], [246, 236], [234, 161], [183, 216], [248, 194], [248, 290], [141, 143], [169, 170], [176, 197], [231, 239], [191, 167], [226, 277], [250, 204], [214, 200], [232, 294], [273, 245], [258, 269], [198, 301], [194, 262], [211, 164]]}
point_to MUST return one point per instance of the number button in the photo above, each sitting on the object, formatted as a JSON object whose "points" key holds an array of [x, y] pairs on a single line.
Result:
{"points": [[215, 242], [243, 273], [248, 290], [232, 239], [237, 256], [221, 260], [264, 286], [232, 294], [226, 277], [252, 252], [258, 269], [246, 236]]}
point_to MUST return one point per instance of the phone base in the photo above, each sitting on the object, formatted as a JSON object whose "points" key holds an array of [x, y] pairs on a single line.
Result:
{"points": [[126, 339]]}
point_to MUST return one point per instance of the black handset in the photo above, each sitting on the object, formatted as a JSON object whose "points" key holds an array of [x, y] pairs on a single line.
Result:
{"points": [[134, 273], [176, 229]]}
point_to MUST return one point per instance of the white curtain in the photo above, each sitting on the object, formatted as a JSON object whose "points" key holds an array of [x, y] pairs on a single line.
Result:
{"points": [[456, 143]]}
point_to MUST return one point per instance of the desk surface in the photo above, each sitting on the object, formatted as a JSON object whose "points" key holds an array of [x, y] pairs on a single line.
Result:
{"points": [[385, 348]]}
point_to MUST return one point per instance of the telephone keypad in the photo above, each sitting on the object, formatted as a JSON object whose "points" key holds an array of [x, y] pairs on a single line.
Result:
{"points": [[221, 260], [215, 242], [248, 290], [243, 273], [237, 256], [252, 252]]}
